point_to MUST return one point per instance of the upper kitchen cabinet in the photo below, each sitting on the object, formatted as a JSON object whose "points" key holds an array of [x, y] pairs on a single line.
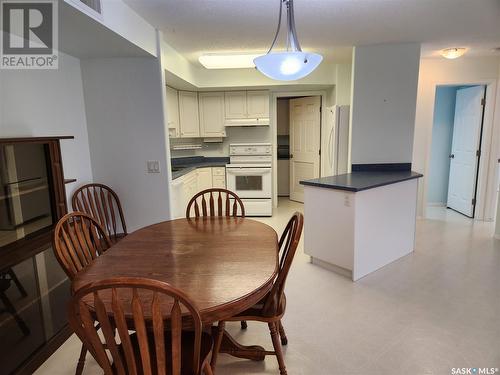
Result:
{"points": [[236, 104], [173, 112], [211, 106], [247, 108], [189, 119], [258, 104]]}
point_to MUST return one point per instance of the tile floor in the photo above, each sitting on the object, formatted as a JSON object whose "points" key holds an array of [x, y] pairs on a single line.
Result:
{"points": [[434, 310]]}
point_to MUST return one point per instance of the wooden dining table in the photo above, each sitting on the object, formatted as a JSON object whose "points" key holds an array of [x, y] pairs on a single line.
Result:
{"points": [[224, 264]]}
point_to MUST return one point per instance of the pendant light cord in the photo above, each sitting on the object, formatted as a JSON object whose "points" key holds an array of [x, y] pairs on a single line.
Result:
{"points": [[279, 26]]}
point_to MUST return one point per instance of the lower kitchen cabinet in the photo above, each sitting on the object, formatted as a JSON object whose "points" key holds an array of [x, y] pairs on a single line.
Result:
{"points": [[204, 178], [185, 187]]}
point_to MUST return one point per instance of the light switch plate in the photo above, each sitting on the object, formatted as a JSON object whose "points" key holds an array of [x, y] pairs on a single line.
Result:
{"points": [[153, 166]]}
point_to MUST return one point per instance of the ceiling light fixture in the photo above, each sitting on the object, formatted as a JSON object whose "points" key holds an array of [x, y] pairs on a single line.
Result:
{"points": [[453, 53], [292, 64], [228, 61]]}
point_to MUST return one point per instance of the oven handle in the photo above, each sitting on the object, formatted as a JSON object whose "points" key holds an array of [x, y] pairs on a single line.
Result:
{"points": [[246, 171]]}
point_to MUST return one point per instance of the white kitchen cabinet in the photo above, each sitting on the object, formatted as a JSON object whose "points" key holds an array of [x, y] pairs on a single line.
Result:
{"points": [[258, 104], [236, 104], [204, 181], [246, 108], [185, 187], [189, 119], [173, 112], [178, 198], [211, 108], [219, 177], [190, 187]]}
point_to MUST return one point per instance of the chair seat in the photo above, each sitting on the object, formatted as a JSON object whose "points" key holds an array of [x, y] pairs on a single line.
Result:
{"points": [[187, 343], [256, 312]]}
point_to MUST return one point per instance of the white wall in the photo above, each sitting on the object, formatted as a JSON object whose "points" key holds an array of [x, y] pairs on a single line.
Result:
{"points": [[442, 137], [45, 103], [468, 70], [126, 128], [383, 102], [120, 18]]}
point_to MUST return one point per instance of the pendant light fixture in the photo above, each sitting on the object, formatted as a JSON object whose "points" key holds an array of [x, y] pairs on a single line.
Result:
{"points": [[292, 64]]}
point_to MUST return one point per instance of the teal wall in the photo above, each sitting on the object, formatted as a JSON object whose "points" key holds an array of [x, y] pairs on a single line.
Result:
{"points": [[442, 136]]}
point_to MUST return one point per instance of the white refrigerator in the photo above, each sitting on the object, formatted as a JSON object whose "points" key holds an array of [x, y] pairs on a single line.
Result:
{"points": [[335, 141]]}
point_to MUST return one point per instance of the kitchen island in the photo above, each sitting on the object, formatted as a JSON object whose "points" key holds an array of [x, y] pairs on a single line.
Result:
{"points": [[358, 222]]}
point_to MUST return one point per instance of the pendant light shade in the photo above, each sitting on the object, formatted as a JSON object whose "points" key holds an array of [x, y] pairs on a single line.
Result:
{"points": [[292, 64]]}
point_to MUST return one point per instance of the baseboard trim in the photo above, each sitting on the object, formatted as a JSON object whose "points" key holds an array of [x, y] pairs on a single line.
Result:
{"points": [[332, 267]]}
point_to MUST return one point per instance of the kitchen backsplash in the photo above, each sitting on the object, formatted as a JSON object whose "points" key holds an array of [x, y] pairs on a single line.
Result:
{"points": [[234, 135]]}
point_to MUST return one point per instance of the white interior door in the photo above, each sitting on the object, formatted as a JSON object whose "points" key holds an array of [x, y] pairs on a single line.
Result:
{"points": [[464, 150], [305, 125]]}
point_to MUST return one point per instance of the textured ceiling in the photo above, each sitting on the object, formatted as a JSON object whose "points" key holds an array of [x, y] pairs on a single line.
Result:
{"points": [[331, 27]]}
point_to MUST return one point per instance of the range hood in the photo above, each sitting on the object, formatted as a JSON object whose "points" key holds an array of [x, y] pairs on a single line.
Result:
{"points": [[247, 121]]}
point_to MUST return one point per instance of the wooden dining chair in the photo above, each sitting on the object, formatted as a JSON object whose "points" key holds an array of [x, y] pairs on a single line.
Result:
{"points": [[103, 204], [204, 204], [272, 307], [223, 198], [78, 240], [151, 349]]}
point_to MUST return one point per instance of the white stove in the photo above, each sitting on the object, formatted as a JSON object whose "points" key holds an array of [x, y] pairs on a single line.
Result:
{"points": [[249, 176]]}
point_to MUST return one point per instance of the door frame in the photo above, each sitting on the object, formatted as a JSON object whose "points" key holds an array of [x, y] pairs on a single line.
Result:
{"points": [[490, 145], [274, 127]]}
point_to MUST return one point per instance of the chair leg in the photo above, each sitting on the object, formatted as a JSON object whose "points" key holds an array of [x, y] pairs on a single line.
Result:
{"points": [[273, 328], [217, 343], [244, 324], [81, 361], [207, 369], [284, 339]]}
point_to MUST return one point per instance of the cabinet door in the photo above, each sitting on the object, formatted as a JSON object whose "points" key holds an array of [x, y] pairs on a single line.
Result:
{"points": [[204, 178], [173, 112], [190, 187], [219, 177], [211, 105], [188, 113], [236, 104], [178, 198], [258, 104]]}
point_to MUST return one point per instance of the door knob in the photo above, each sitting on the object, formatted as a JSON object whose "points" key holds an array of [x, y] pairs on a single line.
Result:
{"points": [[291, 156], [452, 156]]}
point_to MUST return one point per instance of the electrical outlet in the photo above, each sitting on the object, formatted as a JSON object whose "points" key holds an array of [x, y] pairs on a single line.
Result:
{"points": [[153, 166]]}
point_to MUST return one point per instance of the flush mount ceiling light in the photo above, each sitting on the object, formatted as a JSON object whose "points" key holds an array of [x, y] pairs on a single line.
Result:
{"points": [[453, 53], [228, 61], [292, 64]]}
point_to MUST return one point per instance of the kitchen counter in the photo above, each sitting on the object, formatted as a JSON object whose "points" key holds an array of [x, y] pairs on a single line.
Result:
{"points": [[359, 181], [182, 166], [360, 221]]}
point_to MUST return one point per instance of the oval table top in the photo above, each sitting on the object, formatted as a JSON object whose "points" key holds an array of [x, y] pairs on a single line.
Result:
{"points": [[224, 264]]}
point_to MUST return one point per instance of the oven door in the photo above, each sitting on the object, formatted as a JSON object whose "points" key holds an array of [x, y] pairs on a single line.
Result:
{"points": [[249, 182]]}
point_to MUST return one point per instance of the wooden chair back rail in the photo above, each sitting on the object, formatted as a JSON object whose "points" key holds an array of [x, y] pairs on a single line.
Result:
{"points": [[149, 354], [208, 208], [288, 243], [102, 203], [78, 240]]}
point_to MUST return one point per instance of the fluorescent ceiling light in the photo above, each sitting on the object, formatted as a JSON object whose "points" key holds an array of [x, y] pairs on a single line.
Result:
{"points": [[230, 61], [453, 53]]}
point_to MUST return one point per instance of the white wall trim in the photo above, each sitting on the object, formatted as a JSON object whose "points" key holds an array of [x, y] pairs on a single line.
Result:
{"points": [[489, 143], [274, 127]]}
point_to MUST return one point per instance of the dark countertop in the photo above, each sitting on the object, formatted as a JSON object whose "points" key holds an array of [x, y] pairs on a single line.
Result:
{"points": [[359, 181], [188, 164]]}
